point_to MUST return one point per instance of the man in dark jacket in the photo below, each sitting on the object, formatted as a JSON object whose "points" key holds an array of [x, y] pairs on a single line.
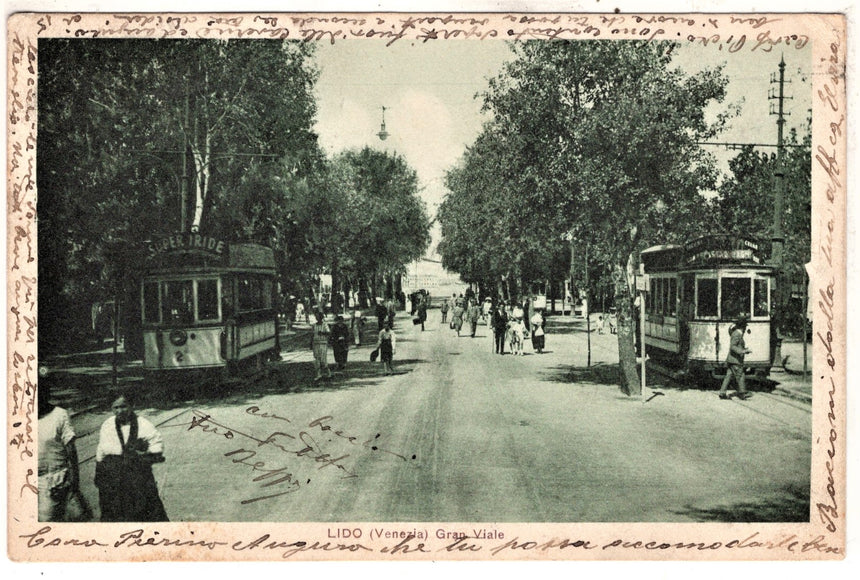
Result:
{"points": [[499, 322], [339, 339]]}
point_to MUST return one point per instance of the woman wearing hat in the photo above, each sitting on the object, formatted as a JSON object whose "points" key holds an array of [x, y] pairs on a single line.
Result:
{"points": [[735, 360]]}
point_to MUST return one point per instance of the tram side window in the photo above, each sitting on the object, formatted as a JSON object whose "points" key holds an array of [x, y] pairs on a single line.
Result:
{"points": [[267, 288], [706, 297], [735, 297], [649, 304], [761, 298], [178, 301], [207, 300], [227, 305], [150, 302], [672, 304]]}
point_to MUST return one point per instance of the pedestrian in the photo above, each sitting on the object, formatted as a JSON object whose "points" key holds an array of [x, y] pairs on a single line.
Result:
{"points": [[128, 447], [527, 315], [59, 476], [387, 346], [538, 332], [444, 309], [486, 310], [339, 338], [381, 314], [499, 322], [392, 311], [356, 323], [601, 323], [457, 317], [421, 311], [516, 335], [473, 316], [735, 360], [319, 343]]}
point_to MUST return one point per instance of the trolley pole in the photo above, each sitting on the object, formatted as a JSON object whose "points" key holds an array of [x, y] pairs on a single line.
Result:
{"points": [[642, 283], [586, 309], [642, 337]]}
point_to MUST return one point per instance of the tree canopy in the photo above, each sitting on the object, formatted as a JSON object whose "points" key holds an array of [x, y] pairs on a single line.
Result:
{"points": [[598, 140], [144, 138]]}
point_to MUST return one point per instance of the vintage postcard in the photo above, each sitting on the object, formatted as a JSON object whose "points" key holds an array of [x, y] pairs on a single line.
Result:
{"points": [[426, 286]]}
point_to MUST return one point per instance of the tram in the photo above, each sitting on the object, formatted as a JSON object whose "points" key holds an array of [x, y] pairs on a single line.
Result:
{"points": [[208, 304], [696, 292]]}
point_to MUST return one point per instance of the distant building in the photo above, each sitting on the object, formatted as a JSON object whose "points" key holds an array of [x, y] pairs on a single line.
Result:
{"points": [[429, 274]]}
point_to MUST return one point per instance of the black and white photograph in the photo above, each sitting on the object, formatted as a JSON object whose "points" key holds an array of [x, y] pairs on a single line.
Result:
{"points": [[419, 279]]}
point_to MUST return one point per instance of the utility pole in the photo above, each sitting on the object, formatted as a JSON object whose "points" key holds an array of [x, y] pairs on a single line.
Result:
{"points": [[778, 235]]}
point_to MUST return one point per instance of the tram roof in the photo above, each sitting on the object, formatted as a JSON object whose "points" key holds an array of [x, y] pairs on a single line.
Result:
{"points": [[709, 251]]}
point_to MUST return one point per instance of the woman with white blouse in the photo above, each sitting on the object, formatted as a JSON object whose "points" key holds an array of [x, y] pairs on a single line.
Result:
{"points": [[128, 447]]}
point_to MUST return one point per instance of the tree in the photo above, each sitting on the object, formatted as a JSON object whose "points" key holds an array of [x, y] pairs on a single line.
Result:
{"points": [[383, 223], [129, 128], [602, 143], [745, 205]]}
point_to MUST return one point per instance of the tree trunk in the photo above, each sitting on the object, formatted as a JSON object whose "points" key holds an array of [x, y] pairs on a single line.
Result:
{"points": [[626, 334]]}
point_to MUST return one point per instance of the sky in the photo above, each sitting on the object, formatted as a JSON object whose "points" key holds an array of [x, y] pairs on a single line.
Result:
{"points": [[432, 114]]}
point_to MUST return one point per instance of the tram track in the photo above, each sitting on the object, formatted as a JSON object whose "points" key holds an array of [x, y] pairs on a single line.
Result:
{"points": [[745, 403]]}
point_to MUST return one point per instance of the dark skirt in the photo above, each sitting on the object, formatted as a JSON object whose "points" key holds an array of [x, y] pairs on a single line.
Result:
{"points": [[386, 352], [127, 491], [538, 341], [341, 352]]}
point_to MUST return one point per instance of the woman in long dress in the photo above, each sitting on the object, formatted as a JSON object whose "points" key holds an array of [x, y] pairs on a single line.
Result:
{"points": [[457, 318], [387, 345], [128, 447], [319, 344]]}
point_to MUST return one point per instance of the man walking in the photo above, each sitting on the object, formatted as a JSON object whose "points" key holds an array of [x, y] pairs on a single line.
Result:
{"points": [[499, 322], [735, 361]]}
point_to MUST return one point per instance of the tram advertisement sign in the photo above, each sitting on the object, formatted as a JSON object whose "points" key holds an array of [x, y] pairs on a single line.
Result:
{"points": [[718, 248], [189, 242]]}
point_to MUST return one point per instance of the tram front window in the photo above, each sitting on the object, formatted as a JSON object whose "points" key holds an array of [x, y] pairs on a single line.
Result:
{"points": [[706, 297], [761, 298], [207, 300], [178, 302], [735, 297], [150, 302]]}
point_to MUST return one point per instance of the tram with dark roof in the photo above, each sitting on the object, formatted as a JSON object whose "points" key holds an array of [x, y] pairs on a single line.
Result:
{"points": [[696, 292], [208, 304]]}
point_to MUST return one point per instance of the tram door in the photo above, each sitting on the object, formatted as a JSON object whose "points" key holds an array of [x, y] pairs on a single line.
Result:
{"points": [[686, 311]]}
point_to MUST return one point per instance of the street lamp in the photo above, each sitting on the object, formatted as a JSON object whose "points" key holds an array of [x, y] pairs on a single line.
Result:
{"points": [[383, 134]]}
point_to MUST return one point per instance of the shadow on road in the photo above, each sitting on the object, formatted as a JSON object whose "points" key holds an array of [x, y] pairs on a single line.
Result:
{"points": [[792, 506], [596, 374], [278, 378]]}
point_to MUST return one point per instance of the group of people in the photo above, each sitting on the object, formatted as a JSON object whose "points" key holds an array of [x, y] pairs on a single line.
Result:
{"points": [[511, 324], [128, 447], [341, 335]]}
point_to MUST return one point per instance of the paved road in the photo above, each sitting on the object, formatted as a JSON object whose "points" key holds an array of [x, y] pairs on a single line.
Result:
{"points": [[461, 434]]}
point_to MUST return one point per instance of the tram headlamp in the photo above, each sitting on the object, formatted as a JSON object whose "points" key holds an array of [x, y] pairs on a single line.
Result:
{"points": [[178, 337]]}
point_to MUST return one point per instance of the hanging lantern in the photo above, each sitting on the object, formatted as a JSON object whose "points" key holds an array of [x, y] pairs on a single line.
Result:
{"points": [[383, 134]]}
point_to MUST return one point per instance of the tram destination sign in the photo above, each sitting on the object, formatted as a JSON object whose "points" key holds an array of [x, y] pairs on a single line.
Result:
{"points": [[188, 243], [721, 249]]}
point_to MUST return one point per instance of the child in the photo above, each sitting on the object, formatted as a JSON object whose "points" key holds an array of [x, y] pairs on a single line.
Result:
{"points": [[516, 331], [538, 334]]}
